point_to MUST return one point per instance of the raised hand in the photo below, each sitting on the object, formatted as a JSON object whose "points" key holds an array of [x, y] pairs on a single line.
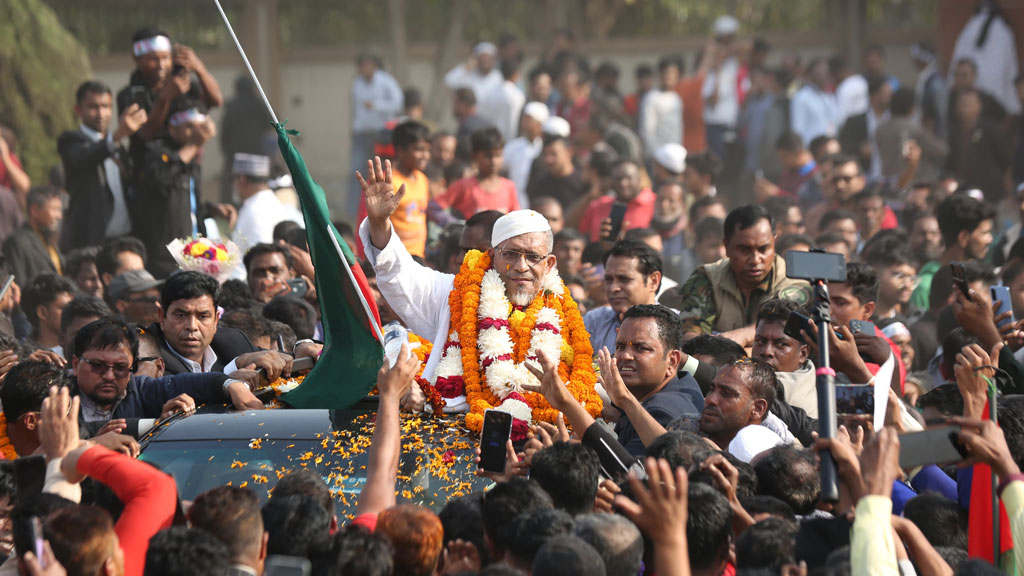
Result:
{"points": [[393, 382], [551, 385], [880, 463], [986, 443], [58, 431], [973, 364], [660, 512], [610, 377], [132, 119], [381, 198]]}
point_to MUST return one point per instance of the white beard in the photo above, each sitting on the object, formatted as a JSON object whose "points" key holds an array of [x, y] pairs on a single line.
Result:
{"points": [[523, 298]]}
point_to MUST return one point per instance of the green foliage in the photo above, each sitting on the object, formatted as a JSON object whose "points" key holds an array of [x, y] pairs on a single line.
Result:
{"points": [[41, 65]]}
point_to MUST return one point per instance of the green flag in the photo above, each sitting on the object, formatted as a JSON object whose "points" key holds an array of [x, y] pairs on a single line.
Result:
{"points": [[353, 349]]}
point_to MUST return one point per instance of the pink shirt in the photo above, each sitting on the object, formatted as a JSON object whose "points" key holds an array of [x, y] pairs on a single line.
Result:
{"points": [[639, 212], [468, 197]]}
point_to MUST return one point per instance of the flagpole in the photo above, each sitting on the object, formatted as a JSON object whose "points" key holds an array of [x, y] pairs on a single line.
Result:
{"points": [[352, 278], [245, 59]]}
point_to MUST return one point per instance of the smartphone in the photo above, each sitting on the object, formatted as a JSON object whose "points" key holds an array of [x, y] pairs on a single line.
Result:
{"points": [[1000, 294], [139, 96], [862, 327], [855, 399], [30, 474], [960, 278], [795, 323], [616, 216], [27, 532], [933, 446], [497, 429], [287, 566], [7, 286], [816, 266], [298, 287]]}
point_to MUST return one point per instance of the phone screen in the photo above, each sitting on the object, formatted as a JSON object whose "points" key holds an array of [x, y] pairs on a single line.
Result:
{"points": [[959, 277], [862, 327], [298, 287], [617, 215], [795, 323], [497, 429], [816, 266], [855, 399], [1001, 294]]}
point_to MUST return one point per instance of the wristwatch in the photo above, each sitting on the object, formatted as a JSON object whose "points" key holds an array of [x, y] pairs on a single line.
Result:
{"points": [[300, 342], [230, 381]]}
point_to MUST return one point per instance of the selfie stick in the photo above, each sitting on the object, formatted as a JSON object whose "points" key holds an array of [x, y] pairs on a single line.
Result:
{"points": [[825, 381]]}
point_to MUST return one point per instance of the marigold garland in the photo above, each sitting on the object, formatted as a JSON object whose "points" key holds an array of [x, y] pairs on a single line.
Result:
{"points": [[579, 378], [422, 352], [6, 448]]}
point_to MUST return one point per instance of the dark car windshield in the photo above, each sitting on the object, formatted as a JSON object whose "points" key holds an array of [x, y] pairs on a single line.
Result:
{"points": [[436, 462]]}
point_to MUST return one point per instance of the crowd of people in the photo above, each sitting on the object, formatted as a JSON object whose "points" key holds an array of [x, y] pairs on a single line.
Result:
{"points": [[665, 215]]}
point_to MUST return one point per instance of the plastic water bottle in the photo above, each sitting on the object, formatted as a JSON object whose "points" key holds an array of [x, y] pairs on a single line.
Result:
{"points": [[394, 336]]}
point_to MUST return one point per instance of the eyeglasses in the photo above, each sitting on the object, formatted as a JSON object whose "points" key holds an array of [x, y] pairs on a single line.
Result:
{"points": [[513, 257], [904, 277], [100, 368]]}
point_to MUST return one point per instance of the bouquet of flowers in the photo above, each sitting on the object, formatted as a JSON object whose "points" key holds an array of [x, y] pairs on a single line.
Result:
{"points": [[218, 259]]}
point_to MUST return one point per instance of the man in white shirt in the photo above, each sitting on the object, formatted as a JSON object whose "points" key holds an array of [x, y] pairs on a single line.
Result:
{"points": [[503, 104], [851, 90], [478, 73], [661, 111], [261, 210], [522, 151], [376, 99], [988, 39], [721, 90], [813, 111]]}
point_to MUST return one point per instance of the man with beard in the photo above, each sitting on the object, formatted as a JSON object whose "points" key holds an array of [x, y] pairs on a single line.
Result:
{"points": [[497, 289], [897, 276], [670, 221], [724, 296], [925, 237], [33, 250], [787, 355], [740, 396], [966, 225]]}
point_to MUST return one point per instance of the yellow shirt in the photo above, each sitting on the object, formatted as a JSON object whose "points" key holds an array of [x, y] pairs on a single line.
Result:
{"points": [[410, 219]]}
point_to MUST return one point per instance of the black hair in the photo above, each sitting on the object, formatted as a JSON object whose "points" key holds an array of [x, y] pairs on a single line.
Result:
{"points": [[465, 96], [27, 384], [648, 259], [569, 474], [639, 234], [283, 228], [232, 515], [708, 526], [887, 248], [181, 550], [791, 475], [779, 206], [264, 249], [863, 282], [508, 67], [105, 334], [530, 530], [789, 241], [743, 217], [670, 328], [875, 83], [148, 32], [902, 103], [644, 71], [710, 227], [82, 306], [615, 538], [90, 87], [305, 482], [356, 550], [777, 310], [455, 170], [486, 140], [462, 519], [761, 504], [945, 398], [954, 340], [666, 61], [790, 142], [486, 220], [836, 65], [567, 555], [538, 71], [705, 164], [769, 544], [8, 484], [75, 259], [43, 291], [746, 485], [603, 160], [606, 69], [842, 159], [39, 195], [298, 314], [676, 447], [818, 144], [106, 259], [942, 521], [1011, 422], [189, 285], [722, 351], [408, 133], [297, 525], [235, 294], [411, 97], [959, 213], [978, 567], [507, 500], [247, 320], [1012, 272]]}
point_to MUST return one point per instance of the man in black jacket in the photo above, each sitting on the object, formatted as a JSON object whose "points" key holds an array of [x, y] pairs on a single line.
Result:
{"points": [[105, 353], [94, 168], [32, 250]]}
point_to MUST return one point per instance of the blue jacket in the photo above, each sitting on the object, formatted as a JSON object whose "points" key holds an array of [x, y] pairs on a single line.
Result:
{"points": [[145, 396], [681, 396]]}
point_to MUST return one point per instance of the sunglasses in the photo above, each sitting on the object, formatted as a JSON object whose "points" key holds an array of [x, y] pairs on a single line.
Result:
{"points": [[100, 368]]}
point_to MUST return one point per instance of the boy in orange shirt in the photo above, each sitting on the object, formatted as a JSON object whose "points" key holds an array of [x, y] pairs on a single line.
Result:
{"points": [[411, 141], [487, 190]]}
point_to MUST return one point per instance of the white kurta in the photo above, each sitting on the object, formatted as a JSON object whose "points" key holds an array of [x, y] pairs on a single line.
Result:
{"points": [[258, 216], [419, 295]]}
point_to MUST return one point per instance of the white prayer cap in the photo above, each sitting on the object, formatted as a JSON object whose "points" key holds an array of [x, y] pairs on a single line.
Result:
{"points": [[976, 194], [725, 26], [895, 329], [751, 441], [671, 157], [517, 223], [253, 165], [538, 111], [485, 48], [556, 126]]}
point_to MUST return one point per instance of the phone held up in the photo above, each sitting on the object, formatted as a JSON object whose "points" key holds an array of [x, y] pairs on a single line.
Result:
{"points": [[960, 278], [497, 429]]}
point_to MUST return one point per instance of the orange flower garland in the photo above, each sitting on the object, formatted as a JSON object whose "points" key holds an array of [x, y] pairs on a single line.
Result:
{"points": [[5, 443], [579, 379], [437, 403]]}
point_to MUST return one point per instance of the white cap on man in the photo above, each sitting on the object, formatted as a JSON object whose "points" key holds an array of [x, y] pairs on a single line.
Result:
{"points": [[671, 157], [725, 26], [538, 111], [556, 126], [253, 165], [517, 223], [485, 48]]}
